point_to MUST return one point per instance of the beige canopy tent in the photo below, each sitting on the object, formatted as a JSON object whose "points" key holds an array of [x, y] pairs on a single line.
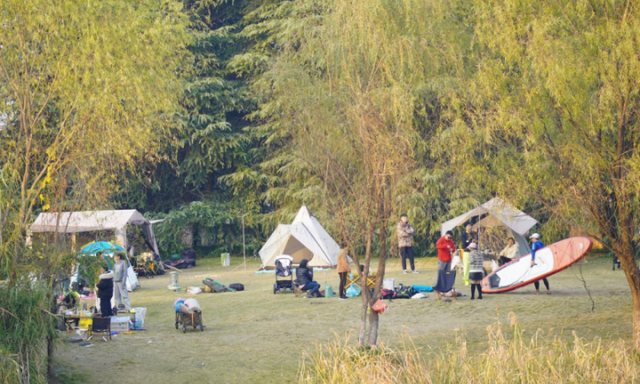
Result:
{"points": [[96, 221], [304, 238], [497, 213]]}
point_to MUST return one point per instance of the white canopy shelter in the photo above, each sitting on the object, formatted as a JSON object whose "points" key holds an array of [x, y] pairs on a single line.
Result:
{"points": [[93, 221], [498, 213], [304, 238]]}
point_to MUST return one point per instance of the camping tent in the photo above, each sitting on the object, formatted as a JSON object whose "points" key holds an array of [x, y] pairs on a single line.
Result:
{"points": [[304, 238], [497, 213], [93, 221]]}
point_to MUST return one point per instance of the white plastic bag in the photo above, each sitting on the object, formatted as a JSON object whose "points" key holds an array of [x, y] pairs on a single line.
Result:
{"points": [[194, 290], [456, 262], [139, 318]]}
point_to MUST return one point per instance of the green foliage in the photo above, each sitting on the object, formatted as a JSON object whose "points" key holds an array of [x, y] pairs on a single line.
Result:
{"points": [[25, 325], [209, 227], [547, 116], [88, 90]]}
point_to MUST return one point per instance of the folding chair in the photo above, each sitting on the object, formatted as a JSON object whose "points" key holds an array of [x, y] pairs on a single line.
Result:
{"points": [[297, 289], [446, 281], [371, 279], [101, 325]]}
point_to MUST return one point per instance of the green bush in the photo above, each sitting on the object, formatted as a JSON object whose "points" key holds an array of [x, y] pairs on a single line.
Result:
{"points": [[215, 228], [25, 325]]}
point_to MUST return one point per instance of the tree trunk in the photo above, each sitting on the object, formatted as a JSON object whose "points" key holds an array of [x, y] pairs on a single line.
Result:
{"points": [[364, 275], [374, 317], [51, 372], [374, 322], [53, 291], [626, 254]]}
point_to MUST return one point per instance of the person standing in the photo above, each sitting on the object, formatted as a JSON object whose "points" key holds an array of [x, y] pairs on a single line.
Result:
{"points": [[405, 234], [445, 247], [475, 270], [537, 245], [121, 295], [467, 238], [343, 269], [105, 290]]}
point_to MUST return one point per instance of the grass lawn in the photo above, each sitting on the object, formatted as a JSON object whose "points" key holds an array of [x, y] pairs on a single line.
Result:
{"points": [[258, 337]]}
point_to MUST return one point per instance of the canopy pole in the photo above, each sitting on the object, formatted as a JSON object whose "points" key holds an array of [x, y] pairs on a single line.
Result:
{"points": [[244, 245]]}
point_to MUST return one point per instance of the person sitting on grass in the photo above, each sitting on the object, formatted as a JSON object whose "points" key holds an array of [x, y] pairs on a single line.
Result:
{"points": [[304, 277]]}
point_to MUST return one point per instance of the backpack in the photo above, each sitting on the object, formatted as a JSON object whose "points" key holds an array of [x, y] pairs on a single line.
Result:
{"points": [[388, 294], [403, 292]]}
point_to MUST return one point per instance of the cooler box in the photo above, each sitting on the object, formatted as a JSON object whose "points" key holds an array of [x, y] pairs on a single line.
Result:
{"points": [[389, 284], [120, 324]]}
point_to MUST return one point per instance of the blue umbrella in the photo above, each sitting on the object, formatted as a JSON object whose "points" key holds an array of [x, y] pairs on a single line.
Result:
{"points": [[101, 246]]}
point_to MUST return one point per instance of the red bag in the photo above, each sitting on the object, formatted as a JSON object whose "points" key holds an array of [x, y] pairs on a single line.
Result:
{"points": [[379, 306]]}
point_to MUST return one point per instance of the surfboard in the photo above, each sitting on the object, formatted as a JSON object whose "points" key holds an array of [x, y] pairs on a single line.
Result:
{"points": [[549, 260]]}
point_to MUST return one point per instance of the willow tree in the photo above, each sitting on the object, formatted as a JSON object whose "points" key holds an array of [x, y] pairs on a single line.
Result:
{"points": [[88, 89], [550, 115], [341, 98]]}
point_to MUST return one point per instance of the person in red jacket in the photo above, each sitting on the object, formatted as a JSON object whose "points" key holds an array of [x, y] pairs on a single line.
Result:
{"points": [[445, 248]]}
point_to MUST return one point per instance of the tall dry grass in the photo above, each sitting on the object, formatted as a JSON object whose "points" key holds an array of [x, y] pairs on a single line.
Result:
{"points": [[510, 357]]}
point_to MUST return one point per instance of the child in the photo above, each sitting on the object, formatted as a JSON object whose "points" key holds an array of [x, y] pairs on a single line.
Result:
{"points": [[475, 271]]}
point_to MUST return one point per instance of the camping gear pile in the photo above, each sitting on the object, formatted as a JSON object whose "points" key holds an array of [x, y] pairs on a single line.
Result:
{"points": [[399, 292], [188, 314], [148, 265], [187, 259]]}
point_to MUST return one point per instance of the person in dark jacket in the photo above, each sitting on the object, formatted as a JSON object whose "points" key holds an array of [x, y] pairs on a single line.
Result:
{"points": [[468, 237], [105, 291], [304, 275]]}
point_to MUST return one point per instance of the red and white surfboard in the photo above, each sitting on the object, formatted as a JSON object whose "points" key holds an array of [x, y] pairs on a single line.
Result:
{"points": [[549, 260]]}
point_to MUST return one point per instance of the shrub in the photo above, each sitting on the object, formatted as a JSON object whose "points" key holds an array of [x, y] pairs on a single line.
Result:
{"points": [[510, 357], [25, 325]]}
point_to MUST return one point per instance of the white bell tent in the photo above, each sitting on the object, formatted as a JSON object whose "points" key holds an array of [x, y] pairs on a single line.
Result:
{"points": [[497, 213], [304, 238]]}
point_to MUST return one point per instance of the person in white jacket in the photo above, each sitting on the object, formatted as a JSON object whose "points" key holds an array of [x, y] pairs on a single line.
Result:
{"points": [[120, 294], [509, 252]]}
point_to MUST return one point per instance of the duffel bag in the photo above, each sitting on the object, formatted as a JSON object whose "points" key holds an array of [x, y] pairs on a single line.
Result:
{"points": [[237, 286]]}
